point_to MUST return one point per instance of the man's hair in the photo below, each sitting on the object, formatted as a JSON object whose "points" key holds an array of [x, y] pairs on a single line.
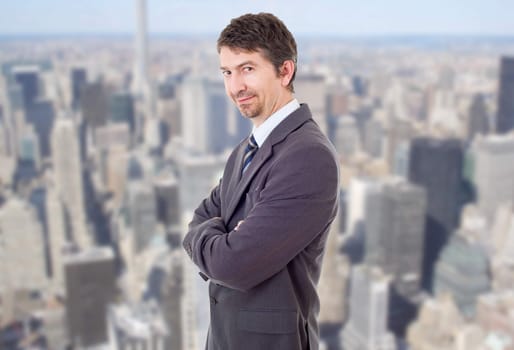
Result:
{"points": [[261, 32]]}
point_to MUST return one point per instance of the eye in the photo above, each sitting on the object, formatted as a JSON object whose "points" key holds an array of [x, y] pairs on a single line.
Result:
{"points": [[247, 69], [226, 73]]}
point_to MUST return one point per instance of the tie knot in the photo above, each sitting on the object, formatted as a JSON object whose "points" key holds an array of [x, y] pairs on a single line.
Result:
{"points": [[252, 143]]}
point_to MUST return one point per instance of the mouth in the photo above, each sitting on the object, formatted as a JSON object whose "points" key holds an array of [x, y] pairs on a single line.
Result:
{"points": [[245, 99]]}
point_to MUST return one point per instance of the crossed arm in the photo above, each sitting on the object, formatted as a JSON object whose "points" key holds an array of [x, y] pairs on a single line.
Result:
{"points": [[297, 204]]}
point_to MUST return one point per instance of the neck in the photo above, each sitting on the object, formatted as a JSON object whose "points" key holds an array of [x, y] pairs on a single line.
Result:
{"points": [[257, 121]]}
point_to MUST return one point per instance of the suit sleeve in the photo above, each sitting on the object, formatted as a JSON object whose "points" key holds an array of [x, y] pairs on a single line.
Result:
{"points": [[297, 204], [206, 213]]}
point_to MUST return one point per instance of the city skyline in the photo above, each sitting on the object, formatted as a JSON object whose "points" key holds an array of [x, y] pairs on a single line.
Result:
{"points": [[325, 17], [107, 146]]}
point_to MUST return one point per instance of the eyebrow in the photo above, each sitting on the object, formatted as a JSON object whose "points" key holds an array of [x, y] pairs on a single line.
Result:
{"points": [[249, 62]]}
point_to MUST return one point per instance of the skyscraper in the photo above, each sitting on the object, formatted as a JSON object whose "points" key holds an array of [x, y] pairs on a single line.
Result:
{"points": [[373, 135], [21, 249], [141, 84], [139, 326], [148, 126], [90, 286], [27, 78], [312, 88], [142, 213], [366, 328], [346, 138], [395, 220], [94, 104], [436, 165], [437, 326], [68, 177], [122, 109], [204, 116], [78, 80], [357, 197], [494, 172], [505, 118], [332, 287], [463, 271], [56, 236], [478, 122], [41, 115], [394, 239], [167, 191]]}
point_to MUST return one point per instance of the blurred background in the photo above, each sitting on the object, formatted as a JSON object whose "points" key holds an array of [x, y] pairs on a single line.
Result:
{"points": [[114, 125]]}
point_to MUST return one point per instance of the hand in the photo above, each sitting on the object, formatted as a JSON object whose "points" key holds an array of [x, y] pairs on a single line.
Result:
{"points": [[238, 224]]}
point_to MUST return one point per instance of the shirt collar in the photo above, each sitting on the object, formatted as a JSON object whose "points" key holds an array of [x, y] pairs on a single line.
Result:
{"points": [[262, 132]]}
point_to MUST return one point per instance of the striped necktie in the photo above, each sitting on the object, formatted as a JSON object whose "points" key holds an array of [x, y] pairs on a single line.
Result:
{"points": [[250, 151]]}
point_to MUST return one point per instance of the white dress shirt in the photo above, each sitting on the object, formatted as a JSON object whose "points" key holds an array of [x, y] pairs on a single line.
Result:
{"points": [[262, 132]]}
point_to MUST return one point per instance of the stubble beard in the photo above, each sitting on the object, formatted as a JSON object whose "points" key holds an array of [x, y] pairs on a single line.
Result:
{"points": [[250, 110]]}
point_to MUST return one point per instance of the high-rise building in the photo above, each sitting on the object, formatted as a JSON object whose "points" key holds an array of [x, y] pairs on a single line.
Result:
{"points": [[168, 201], [68, 177], [397, 133], [394, 239], [90, 286], [366, 328], [444, 115], [142, 213], [312, 88], [346, 138], [168, 104], [400, 165], [395, 220], [505, 118], [94, 104], [27, 77], [56, 236], [28, 149], [141, 326], [332, 287], [478, 122], [112, 135], [463, 271], [141, 83], [438, 325], [148, 125], [22, 248], [493, 172], [78, 80], [37, 199], [197, 176], [357, 197], [41, 115], [436, 165], [28, 162], [204, 116], [165, 285], [360, 85], [373, 137], [122, 109]]}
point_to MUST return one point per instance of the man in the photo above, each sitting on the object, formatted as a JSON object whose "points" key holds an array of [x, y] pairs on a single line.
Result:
{"points": [[260, 235]]}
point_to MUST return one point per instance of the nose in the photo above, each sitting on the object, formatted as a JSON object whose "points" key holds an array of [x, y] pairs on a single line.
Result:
{"points": [[235, 84]]}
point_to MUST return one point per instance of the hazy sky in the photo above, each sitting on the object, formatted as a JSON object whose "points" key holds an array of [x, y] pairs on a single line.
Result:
{"points": [[339, 17]]}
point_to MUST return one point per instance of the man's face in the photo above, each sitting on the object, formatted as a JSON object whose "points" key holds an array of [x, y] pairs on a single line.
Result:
{"points": [[252, 82]]}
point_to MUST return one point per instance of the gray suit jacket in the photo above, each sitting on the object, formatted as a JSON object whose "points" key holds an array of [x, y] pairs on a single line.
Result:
{"points": [[264, 275]]}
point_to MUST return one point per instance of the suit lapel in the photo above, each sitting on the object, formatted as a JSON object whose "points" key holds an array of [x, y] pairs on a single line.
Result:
{"points": [[240, 186], [239, 183], [235, 175]]}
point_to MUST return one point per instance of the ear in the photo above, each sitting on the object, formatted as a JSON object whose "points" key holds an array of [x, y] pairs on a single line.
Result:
{"points": [[286, 72]]}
